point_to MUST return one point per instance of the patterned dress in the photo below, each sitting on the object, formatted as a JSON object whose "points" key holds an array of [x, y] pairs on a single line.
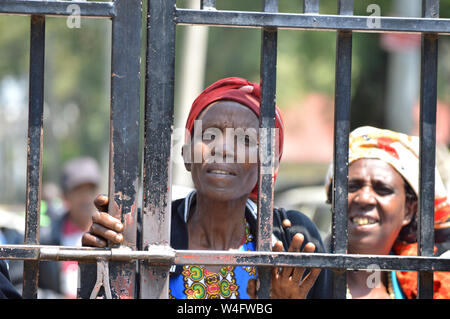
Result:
{"points": [[230, 282]]}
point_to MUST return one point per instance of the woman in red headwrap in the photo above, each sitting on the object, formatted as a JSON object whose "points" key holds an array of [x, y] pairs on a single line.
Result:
{"points": [[220, 152]]}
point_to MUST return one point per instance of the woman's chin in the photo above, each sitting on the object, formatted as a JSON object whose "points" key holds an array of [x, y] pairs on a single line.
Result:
{"points": [[222, 194]]}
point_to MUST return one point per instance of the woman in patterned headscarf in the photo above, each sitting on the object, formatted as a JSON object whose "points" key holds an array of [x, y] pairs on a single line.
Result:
{"points": [[221, 213], [382, 209]]}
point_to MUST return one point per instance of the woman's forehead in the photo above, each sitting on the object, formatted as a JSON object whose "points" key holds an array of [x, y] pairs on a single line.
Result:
{"points": [[229, 114], [375, 168]]}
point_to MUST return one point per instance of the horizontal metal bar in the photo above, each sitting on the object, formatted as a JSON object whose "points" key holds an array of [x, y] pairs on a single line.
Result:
{"points": [[310, 21], [65, 253], [165, 254], [58, 8], [314, 260]]}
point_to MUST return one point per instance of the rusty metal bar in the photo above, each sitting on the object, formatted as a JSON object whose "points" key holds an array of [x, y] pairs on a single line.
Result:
{"points": [[34, 154], [124, 142], [164, 254], [124, 138], [427, 124], [159, 100]]}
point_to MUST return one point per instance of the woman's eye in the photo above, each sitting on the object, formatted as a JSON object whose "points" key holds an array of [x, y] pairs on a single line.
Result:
{"points": [[353, 187], [208, 137], [383, 190]]}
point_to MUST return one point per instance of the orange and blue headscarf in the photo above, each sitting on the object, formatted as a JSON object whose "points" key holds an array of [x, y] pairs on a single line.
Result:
{"points": [[401, 151]]}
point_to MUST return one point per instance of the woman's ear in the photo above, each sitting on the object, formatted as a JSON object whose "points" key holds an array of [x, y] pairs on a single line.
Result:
{"points": [[410, 211], [185, 153]]}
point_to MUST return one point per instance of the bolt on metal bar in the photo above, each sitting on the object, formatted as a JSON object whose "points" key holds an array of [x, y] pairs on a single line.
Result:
{"points": [[341, 145], [159, 101], [58, 8], [311, 6], [250, 19], [34, 154], [267, 153], [427, 131]]}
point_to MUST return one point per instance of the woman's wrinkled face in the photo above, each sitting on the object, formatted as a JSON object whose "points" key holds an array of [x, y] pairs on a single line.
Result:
{"points": [[223, 158], [377, 207]]}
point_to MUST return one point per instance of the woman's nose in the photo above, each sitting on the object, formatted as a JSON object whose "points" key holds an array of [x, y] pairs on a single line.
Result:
{"points": [[223, 149], [365, 196]]}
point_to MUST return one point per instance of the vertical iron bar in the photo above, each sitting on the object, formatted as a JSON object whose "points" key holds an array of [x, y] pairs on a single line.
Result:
{"points": [[341, 134], [311, 6], [159, 101], [34, 154], [428, 101], [267, 147], [124, 135], [124, 143]]}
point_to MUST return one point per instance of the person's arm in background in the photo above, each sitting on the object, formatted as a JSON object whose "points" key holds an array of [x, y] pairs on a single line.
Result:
{"points": [[7, 290]]}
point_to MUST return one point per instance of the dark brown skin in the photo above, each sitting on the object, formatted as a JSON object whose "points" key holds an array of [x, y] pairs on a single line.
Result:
{"points": [[216, 222], [376, 191]]}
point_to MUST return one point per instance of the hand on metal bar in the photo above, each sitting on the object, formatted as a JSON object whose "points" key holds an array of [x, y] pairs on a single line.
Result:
{"points": [[289, 282]]}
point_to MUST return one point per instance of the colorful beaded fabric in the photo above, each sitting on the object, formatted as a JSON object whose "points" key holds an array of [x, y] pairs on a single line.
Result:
{"points": [[230, 282]]}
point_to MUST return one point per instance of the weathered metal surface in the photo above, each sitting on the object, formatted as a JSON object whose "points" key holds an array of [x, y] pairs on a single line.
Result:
{"points": [[159, 100], [316, 260], [156, 255], [124, 127], [310, 21], [160, 255], [427, 155], [124, 140], [343, 83], [34, 150]]}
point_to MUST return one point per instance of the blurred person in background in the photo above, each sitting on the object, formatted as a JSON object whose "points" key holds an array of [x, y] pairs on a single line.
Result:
{"points": [[80, 180]]}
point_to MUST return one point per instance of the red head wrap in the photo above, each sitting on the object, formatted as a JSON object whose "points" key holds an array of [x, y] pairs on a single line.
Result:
{"points": [[238, 90]]}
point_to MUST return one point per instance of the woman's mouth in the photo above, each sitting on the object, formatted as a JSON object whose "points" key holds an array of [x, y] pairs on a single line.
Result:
{"points": [[220, 172], [363, 221]]}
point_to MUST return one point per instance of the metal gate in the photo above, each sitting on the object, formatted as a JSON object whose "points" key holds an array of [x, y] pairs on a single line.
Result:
{"points": [[151, 253]]}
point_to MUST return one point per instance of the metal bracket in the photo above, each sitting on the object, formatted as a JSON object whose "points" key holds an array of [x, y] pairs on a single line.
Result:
{"points": [[102, 279]]}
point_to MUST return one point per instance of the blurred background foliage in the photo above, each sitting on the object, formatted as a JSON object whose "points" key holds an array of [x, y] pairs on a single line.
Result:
{"points": [[78, 73]]}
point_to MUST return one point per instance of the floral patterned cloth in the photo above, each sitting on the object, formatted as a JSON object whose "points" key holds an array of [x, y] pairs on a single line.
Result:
{"points": [[230, 282]]}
